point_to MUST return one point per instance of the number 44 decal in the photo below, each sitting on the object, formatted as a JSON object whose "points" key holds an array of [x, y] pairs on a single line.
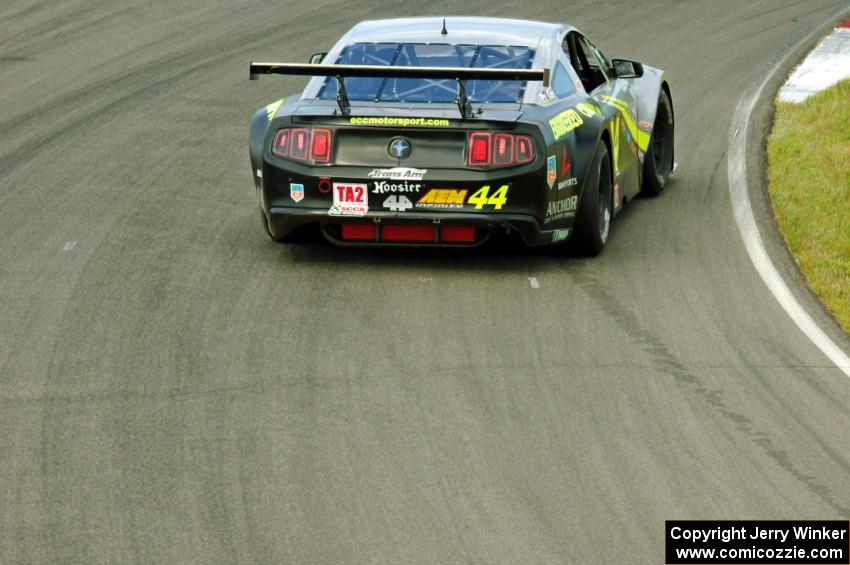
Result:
{"points": [[482, 197]]}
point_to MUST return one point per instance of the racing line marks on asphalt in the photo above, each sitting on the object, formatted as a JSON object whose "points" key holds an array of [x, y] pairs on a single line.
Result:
{"points": [[744, 218], [533, 282]]}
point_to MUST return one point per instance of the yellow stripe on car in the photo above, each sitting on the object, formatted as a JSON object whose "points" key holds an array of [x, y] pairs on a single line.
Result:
{"points": [[640, 136], [616, 102], [271, 109]]}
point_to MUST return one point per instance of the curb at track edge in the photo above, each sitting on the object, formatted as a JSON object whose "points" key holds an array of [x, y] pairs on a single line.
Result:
{"points": [[739, 187]]}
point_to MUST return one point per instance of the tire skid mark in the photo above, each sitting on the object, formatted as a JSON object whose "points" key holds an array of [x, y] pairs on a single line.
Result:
{"points": [[149, 77], [712, 181], [667, 362], [35, 31]]}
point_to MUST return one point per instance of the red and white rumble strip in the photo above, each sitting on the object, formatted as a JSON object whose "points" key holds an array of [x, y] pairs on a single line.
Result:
{"points": [[828, 64]]}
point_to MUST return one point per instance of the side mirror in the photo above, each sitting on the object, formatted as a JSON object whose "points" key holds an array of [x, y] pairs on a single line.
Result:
{"points": [[627, 69], [317, 58]]}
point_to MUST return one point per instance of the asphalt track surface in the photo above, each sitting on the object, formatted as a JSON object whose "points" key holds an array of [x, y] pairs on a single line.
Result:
{"points": [[176, 388]]}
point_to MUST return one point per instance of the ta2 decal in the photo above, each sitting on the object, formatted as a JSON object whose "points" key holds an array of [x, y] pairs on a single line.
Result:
{"points": [[350, 199]]}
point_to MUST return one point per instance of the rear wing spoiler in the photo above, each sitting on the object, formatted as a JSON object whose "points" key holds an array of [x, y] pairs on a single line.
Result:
{"points": [[460, 74]]}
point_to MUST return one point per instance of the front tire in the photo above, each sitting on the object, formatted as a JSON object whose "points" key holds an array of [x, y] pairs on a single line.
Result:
{"points": [[593, 224], [658, 162]]}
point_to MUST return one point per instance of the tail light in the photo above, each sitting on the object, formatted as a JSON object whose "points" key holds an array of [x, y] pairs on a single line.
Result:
{"points": [[479, 149], [503, 149], [311, 146], [320, 148], [499, 150]]}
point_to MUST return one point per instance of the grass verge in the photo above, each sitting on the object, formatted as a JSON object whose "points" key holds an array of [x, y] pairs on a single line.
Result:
{"points": [[808, 155]]}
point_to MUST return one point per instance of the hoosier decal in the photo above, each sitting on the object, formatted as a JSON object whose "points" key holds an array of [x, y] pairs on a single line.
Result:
{"points": [[383, 187]]}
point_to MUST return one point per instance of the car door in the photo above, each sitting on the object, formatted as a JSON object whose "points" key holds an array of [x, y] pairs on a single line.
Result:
{"points": [[615, 98]]}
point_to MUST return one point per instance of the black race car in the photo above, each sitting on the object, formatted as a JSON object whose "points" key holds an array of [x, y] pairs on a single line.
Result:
{"points": [[439, 132]]}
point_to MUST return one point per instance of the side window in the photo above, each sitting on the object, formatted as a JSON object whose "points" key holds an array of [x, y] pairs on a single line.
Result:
{"points": [[562, 84], [606, 64], [584, 61]]}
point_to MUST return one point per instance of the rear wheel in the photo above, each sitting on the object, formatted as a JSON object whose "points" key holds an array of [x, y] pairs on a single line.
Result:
{"points": [[658, 162], [593, 223]]}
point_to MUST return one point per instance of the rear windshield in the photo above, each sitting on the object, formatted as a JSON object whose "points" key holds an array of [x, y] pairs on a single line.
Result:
{"points": [[430, 55]]}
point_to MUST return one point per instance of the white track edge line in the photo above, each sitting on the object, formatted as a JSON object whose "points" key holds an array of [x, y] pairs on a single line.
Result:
{"points": [[742, 208]]}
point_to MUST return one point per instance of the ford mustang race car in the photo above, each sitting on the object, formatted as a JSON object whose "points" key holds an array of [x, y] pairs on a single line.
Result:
{"points": [[443, 131]]}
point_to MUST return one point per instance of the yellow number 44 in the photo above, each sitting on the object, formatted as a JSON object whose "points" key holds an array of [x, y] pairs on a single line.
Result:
{"points": [[482, 197]]}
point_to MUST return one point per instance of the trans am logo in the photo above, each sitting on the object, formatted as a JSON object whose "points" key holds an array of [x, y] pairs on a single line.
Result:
{"points": [[398, 173]]}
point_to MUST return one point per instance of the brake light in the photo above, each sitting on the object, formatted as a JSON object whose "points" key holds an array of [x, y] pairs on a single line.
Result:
{"points": [[503, 151], [499, 150], [524, 149], [479, 149], [298, 151], [311, 146], [321, 149], [280, 147]]}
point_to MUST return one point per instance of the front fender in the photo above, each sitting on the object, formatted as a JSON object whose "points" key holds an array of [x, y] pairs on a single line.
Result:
{"points": [[648, 91]]}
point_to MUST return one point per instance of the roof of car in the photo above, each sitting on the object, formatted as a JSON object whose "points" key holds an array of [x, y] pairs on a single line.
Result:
{"points": [[474, 30]]}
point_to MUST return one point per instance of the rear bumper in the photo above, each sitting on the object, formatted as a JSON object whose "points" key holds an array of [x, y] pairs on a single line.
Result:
{"points": [[285, 220]]}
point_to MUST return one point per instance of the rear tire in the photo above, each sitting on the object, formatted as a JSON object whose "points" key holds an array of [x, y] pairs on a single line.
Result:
{"points": [[658, 162], [593, 223]]}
